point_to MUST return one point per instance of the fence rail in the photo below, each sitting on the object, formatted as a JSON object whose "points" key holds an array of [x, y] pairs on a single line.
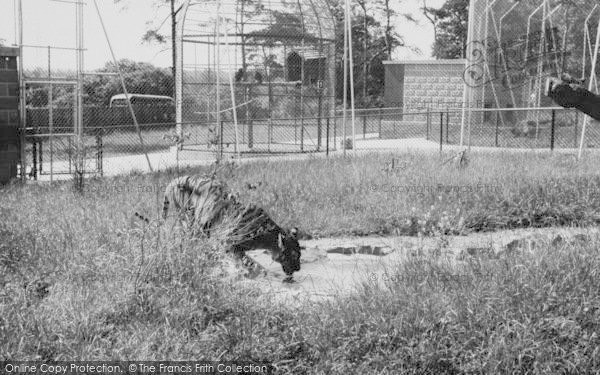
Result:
{"points": [[109, 133]]}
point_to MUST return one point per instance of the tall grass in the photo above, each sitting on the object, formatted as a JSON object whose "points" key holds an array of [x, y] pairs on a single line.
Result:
{"points": [[358, 196], [81, 278]]}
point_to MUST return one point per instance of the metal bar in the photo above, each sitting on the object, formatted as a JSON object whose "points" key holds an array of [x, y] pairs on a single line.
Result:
{"points": [[99, 74], [441, 130], [34, 159], [22, 97], [68, 2], [576, 129], [44, 47], [79, 124], [234, 106], [428, 123], [334, 133], [99, 147], [529, 29], [497, 126], [179, 79], [51, 135], [379, 124], [452, 110], [586, 38], [351, 71], [327, 146], [447, 124], [48, 82], [123, 86], [505, 64], [218, 63], [552, 131], [221, 140], [51, 117], [364, 116]]}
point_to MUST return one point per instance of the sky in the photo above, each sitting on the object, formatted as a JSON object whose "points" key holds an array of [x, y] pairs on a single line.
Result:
{"points": [[52, 22]]}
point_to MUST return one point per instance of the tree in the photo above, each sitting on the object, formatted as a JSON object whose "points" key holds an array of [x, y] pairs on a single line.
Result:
{"points": [[153, 34], [450, 28], [372, 44], [140, 78], [430, 14]]}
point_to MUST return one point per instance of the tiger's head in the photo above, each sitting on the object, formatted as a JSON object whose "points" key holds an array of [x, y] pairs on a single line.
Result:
{"points": [[288, 253]]}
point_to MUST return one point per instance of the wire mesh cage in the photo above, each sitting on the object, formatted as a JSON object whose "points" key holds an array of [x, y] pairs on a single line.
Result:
{"points": [[513, 47], [255, 76]]}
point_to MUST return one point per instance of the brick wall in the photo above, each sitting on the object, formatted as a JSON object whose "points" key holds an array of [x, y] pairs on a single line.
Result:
{"points": [[9, 114], [433, 85], [426, 84]]}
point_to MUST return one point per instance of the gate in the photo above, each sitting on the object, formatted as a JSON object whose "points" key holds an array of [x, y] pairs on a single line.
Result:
{"points": [[51, 134]]}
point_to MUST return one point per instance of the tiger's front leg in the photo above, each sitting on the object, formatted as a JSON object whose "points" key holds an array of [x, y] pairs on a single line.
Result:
{"points": [[253, 269]]}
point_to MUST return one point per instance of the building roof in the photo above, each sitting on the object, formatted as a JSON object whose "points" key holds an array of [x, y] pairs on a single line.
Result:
{"points": [[9, 51]]}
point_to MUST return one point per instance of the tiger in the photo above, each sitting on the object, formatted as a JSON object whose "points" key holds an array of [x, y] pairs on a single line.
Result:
{"points": [[206, 203], [196, 196], [248, 227]]}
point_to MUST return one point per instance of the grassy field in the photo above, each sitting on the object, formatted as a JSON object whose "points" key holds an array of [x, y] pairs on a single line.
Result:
{"points": [[81, 278]]}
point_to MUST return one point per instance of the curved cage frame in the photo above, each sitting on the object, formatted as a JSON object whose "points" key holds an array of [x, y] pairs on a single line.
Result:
{"points": [[255, 75]]}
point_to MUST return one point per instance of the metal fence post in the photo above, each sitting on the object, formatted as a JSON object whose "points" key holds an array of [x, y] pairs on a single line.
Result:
{"points": [[552, 130], [576, 125], [334, 132], [364, 124], [99, 132], [497, 127], [41, 155], [327, 147], [428, 122], [34, 153], [221, 140], [447, 123], [441, 130], [380, 119]]}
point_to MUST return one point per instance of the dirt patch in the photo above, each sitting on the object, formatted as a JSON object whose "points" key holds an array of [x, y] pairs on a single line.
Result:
{"points": [[337, 266]]}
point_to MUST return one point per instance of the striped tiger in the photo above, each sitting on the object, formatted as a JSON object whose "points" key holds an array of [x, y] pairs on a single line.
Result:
{"points": [[196, 197], [207, 204], [249, 227]]}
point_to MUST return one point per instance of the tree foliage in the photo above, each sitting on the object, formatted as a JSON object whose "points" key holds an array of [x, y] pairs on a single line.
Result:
{"points": [[140, 78], [372, 22], [450, 24]]}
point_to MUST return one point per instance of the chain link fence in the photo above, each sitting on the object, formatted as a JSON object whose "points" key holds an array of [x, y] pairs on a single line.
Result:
{"points": [[268, 81]]}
